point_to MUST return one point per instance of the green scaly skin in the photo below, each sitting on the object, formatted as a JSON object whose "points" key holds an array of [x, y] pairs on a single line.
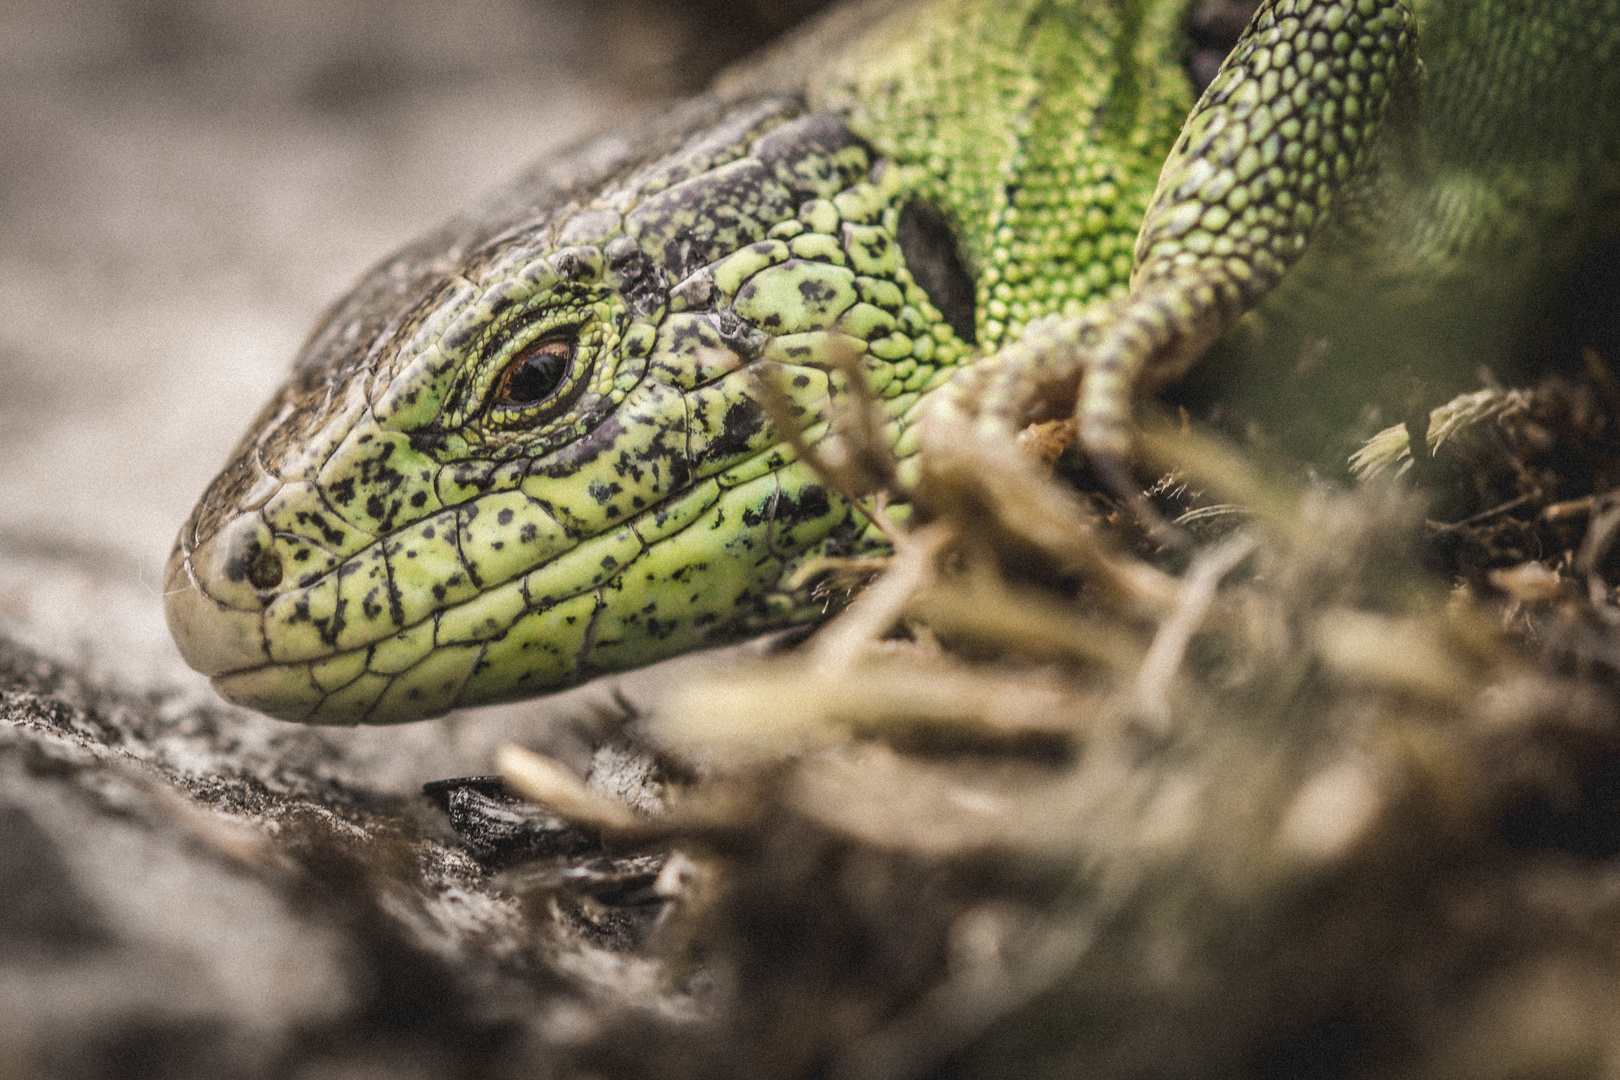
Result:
{"points": [[399, 536]]}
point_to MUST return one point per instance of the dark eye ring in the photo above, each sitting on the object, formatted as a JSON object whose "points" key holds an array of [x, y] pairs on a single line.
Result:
{"points": [[535, 374]]}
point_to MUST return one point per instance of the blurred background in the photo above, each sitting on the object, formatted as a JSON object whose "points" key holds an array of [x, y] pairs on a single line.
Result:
{"points": [[186, 184]]}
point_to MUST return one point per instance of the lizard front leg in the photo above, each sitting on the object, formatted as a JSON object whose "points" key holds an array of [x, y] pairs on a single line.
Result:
{"points": [[1289, 124]]}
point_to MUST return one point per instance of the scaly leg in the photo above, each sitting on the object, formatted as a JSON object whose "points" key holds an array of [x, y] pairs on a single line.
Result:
{"points": [[1290, 122]]}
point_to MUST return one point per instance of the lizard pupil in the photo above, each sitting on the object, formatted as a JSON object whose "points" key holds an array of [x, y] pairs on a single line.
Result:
{"points": [[535, 374]]}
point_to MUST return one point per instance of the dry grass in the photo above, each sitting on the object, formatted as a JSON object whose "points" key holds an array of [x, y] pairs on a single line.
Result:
{"points": [[1337, 793]]}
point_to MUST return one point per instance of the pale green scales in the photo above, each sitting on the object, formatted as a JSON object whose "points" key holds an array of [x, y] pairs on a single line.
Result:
{"points": [[530, 448]]}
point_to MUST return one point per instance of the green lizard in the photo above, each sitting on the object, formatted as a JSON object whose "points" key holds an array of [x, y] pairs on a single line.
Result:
{"points": [[531, 448]]}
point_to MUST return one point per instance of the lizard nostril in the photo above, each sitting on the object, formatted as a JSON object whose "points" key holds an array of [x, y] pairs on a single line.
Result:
{"points": [[264, 572]]}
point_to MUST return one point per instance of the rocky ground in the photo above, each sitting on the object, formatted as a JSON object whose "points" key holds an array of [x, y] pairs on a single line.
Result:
{"points": [[185, 185]]}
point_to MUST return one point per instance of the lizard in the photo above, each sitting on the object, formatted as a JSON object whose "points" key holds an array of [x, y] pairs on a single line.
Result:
{"points": [[532, 447]]}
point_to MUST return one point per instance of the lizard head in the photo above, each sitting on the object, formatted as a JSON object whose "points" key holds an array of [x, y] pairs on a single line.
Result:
{"points": [[510, 462]]}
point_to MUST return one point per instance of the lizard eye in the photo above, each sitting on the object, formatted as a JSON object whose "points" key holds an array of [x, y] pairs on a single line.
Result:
{"points": [[535, 374], [538, 377]]}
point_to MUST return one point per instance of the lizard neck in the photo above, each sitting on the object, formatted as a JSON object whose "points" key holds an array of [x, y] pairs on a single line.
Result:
{"points": [[1034, 128]]}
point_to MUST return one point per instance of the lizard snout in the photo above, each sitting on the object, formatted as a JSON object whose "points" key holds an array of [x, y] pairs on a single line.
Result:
{"points": [[212, 600]]}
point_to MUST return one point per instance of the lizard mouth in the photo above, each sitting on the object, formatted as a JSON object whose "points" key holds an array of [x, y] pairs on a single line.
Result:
{"points": [[421, 671], [224, 611], [652, 587]]}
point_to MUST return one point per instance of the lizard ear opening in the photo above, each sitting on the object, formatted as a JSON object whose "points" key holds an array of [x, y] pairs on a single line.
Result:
{"points": [[935, 262]]}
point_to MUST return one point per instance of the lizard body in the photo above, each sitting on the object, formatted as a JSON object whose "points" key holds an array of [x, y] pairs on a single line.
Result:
{"points": [[530, 448], [1501, 177]]}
